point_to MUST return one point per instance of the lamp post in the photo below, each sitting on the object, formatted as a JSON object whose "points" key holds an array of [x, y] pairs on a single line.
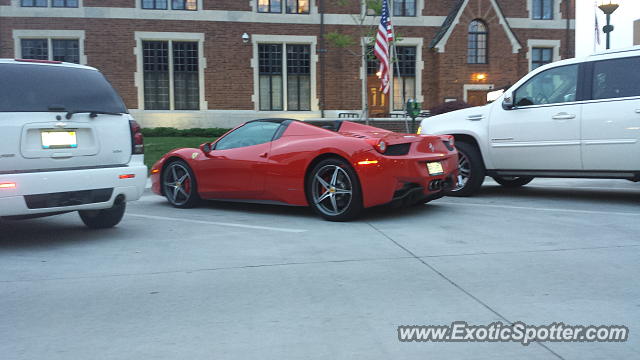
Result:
{"points": [[608, 9]]}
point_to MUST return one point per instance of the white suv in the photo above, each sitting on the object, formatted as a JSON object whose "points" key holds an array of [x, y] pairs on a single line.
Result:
{"points": [[571, 118], [67, 143]]}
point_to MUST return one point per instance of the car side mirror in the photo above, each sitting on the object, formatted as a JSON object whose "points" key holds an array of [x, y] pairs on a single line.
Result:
{"points": [[507, 102], [205, 148]]}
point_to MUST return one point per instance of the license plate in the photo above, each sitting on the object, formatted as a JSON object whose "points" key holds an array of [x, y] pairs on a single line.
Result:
{"points": [[58, 139], [435, 168]]}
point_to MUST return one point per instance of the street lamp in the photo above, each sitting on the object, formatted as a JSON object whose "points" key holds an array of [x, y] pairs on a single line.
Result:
{"points": [[608, 9]]}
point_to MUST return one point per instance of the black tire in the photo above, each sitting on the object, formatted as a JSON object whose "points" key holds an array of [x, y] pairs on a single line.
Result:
{"points": [[513, 182], [334, 205], [103, 219], [179, 185], [475, 173]]}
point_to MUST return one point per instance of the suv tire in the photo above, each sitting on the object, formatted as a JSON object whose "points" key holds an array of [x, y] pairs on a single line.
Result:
{"points": [[513, 181], [103, 219]]}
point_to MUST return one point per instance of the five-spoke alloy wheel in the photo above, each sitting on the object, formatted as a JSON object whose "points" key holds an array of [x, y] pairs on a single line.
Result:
{"points": [[179, 185], [333, 190]]}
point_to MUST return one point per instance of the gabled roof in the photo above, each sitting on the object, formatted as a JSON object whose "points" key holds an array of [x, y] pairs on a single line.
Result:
{"points": [[442, 36], [447, 24]]}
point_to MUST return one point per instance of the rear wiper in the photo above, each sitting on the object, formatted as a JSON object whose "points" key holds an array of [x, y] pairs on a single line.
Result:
{"points": [[92, 113]]}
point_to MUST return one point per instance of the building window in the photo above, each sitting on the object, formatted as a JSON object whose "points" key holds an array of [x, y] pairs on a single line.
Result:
{"points": [[64, 3], [154, 4], [37, 49], [404, 80], [156, 75], [298, 6], [404, 7], [270, 63], [184, 5], [373, 65], [186, 86], [270, 6], [67, 50], [477, 43], [298, 77], [542, 9], [34, 3], [541, 56], [165, 62]]}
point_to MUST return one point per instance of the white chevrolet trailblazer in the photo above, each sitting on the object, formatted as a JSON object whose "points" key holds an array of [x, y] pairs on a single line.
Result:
{"points": [[67, 143], [572, 118]]}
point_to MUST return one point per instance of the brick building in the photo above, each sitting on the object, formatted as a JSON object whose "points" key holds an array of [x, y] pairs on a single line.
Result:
{"points": [[218, 62]]}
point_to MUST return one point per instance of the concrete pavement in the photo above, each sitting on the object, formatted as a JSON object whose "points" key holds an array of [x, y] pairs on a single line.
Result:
{"points": [[238, 281]]}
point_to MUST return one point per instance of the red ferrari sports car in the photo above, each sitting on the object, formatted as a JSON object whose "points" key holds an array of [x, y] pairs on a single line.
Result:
{"points": [[337, 170]]}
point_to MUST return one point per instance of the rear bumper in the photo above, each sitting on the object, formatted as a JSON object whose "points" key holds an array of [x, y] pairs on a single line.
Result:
{"points": [[406, 178], [12, 200]]}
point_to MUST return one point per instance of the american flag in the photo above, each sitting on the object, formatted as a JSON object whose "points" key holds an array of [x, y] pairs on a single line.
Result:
{"points": [[381, 49]]}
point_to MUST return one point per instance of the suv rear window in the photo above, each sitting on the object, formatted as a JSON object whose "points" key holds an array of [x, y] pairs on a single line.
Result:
{"points": [[37, 88]]}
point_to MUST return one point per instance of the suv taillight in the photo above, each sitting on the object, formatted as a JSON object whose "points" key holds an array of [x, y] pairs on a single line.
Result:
{"points": [[137, 140]]}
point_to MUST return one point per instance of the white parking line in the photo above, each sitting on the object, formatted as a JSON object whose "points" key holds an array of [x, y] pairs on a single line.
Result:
{"points": [[585, 187], [540, 209], [256, 227]]}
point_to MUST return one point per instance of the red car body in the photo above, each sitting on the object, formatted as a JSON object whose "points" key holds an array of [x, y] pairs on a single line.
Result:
{"points": [[276, 171]]}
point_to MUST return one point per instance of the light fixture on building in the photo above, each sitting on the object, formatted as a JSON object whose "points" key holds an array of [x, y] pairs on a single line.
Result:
{"points": [[245, 38], [608, 9], [480, 76]]}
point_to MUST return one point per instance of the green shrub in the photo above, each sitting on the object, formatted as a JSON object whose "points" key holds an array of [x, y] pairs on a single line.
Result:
{"points": [[173, 132]]}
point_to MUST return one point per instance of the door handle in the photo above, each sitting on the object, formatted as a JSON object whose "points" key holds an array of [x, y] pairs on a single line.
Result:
{"points": [[563, 116], [475, 117], [637, 111], [264, 155]]}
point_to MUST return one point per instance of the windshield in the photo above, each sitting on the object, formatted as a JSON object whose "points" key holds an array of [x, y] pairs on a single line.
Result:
{"points": [[41, 88]]}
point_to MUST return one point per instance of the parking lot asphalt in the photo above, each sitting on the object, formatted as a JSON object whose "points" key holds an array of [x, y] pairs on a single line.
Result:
{"points": [[246, 281]]}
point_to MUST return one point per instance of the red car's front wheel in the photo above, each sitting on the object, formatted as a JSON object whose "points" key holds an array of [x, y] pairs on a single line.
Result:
{"points": [[179, 185], [333, 190]]}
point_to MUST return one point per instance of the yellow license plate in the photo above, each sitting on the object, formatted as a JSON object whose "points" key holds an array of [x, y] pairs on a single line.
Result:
{"points": [[435, 168], [58, 139]]}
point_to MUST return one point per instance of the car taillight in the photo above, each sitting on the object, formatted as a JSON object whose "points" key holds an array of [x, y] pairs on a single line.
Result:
{"points": [[449, 142], [379, 145], [137, 140]]}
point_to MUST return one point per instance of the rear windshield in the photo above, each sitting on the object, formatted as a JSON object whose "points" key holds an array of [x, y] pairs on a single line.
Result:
{"points": [[39, 88]]}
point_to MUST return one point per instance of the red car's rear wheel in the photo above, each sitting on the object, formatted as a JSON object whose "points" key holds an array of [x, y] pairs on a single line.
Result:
{"points": [[179, 185], [333, 190]]}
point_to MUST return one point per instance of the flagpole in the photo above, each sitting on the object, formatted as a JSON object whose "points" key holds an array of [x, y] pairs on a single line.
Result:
{"points": [[404, 102]]}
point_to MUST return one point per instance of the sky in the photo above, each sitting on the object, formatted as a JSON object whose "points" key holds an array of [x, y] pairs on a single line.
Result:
{"points": [[622, 19]]}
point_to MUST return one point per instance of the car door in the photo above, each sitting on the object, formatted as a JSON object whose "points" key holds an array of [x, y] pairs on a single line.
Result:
{"points": [[236, 166], [542, 130], [611, 120]]}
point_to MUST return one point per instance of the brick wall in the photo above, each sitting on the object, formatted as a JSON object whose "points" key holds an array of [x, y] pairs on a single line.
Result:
{"points": [[237, 5], [341, 6], [454, 71], [229, 76], [110, 3], [512, 8], [439, 7]]}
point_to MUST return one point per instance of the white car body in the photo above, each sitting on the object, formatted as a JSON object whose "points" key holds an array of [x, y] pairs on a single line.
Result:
{"points": [[593, 132], [93, 173]]}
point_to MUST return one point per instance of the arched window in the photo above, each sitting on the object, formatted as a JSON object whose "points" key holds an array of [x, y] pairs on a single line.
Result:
{"points": [[477, 45]]}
